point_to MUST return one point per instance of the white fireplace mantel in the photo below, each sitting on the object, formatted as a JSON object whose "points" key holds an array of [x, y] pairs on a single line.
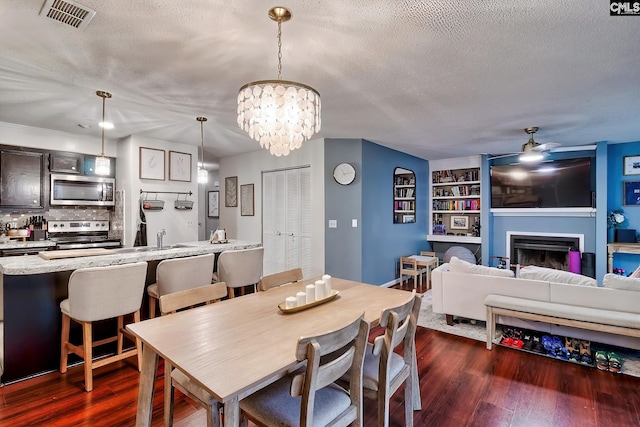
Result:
{"points": [[580, 237]]}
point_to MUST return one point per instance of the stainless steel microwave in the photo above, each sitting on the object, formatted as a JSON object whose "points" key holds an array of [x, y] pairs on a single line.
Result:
{"points": [[82, 190]]}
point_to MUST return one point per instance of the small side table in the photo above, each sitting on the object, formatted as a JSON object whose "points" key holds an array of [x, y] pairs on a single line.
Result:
{"points": [[627, 248], [428, 263]]}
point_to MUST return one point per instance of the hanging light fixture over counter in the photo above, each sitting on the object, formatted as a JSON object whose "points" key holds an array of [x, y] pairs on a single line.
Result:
{"points": [[103, 163], [279, 114], [203, 175]]}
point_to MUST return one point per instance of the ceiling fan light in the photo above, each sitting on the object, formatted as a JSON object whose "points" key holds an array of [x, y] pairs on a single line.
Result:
{"points": [[531, 156]]}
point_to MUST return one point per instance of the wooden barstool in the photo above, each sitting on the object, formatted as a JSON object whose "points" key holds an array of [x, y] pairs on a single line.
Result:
{"points": [[101, 293]]}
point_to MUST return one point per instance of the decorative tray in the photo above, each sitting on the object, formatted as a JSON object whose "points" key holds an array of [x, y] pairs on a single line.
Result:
{"points": [[282, 306]]}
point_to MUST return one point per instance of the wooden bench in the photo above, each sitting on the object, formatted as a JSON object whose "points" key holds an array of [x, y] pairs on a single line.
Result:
{"points": [[614, 322]]}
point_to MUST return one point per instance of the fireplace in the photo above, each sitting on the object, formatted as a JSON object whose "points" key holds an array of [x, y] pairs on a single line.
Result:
{"points": [[543, 249]]}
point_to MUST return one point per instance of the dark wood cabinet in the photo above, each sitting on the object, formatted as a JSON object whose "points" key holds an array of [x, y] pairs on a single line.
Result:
{"points": [[21, 180], [65, 163]]}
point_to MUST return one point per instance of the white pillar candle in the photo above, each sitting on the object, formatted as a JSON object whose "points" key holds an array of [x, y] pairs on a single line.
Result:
{"points": [[327, 284], [290, 302], [301, 299], [311, 293], [320, 289]]}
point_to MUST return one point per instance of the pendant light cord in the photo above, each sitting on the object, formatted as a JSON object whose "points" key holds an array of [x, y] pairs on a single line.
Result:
{"points": [[202, 143], [279, 49], [104, 99]]}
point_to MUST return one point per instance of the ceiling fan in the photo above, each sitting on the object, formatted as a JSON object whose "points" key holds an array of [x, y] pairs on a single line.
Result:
{"points": [[531, 151]]}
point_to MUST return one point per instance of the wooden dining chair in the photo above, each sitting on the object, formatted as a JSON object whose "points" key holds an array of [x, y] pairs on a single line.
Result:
{"points": [[409, 267], [310, 397], [431, 254], [385, 370], [174, 378], [100, 293], [239, 268], [178, 274], [278, 279]]}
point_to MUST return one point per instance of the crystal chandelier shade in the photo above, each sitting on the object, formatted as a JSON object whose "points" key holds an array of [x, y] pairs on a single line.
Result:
{"points": [[103, 163], [279, 114]]}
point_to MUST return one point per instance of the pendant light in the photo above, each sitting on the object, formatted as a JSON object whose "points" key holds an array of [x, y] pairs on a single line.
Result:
{"points": [[279, 114], [103, 163], [203, 175]]}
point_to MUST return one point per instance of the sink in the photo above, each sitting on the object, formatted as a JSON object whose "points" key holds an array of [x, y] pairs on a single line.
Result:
{"points": [[179, 245]]}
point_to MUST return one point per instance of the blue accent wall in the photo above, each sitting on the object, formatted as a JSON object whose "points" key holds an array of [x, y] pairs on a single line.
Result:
{"points": [[615, 194], [383, 242]]}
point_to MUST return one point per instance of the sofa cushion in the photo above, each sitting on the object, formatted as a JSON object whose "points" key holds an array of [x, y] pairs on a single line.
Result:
{"points": [[457, 265], [615, 281], [534, 272]]}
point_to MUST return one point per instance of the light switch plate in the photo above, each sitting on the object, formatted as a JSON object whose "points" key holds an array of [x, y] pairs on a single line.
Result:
{"points": [[333, 223], [354, 223]]}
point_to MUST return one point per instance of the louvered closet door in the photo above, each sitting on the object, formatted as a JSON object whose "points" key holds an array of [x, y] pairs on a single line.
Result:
{"points": [[286, 226]]}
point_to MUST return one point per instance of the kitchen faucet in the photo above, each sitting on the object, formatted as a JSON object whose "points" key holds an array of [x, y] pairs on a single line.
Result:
{"points": [[159, 236]]}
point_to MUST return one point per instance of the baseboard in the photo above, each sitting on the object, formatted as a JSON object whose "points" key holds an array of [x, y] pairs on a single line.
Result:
{"points": [[390, 284]]}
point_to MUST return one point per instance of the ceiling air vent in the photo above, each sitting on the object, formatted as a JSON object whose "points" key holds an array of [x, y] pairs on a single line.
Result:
{"points": [[68, 12]]}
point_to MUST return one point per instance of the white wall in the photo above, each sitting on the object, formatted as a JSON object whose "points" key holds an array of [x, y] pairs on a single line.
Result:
{"points": [[45, 139], [249, 167], [180, 225]]}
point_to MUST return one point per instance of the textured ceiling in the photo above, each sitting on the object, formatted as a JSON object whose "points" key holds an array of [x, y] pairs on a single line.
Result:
{"points": [[435, 79]]}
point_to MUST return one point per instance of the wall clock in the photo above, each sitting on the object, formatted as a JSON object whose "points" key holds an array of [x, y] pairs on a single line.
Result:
{"points": [[344, 174]]}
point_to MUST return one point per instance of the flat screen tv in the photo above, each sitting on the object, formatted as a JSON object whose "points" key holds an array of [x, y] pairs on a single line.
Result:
{"points": [[567, 183]]}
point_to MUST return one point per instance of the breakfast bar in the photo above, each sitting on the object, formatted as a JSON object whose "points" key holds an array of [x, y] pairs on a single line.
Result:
{"points": [[32, 287]]}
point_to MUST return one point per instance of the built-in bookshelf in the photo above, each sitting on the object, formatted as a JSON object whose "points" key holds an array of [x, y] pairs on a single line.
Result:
{"points": [[455, 203], [404, 196]]}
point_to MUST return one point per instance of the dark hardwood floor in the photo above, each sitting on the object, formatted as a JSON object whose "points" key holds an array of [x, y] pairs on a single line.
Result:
{"points": [[462, 384]]}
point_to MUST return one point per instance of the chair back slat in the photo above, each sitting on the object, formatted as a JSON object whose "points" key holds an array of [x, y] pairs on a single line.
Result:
{"points": [[278, 279], [346, 349], [173, 302]]}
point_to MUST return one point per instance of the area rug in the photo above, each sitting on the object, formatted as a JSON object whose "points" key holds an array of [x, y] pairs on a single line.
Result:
{"points": [[478, 331]]}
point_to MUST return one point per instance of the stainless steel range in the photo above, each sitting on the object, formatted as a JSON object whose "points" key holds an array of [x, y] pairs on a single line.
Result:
{"points": [[81, 234]]}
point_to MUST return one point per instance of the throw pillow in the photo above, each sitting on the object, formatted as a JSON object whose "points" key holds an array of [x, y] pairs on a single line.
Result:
{"points": [[615, 281], [534, 272], [458, 265]]}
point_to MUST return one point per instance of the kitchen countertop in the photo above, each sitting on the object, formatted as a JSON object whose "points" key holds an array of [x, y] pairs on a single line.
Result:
{"points": [[33, 264], [19, 244]]}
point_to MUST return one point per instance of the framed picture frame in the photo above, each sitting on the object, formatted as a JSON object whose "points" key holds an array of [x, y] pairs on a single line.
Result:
{"points": [[213, 204], [179, 166], [631, 165], [231, 191], [151, 163], [631, 193], [459, 222], [246, 200]]}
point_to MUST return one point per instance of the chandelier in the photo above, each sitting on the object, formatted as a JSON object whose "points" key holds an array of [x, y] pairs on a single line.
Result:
{"points": [[203, 175], [279, 114], [103, 163]]}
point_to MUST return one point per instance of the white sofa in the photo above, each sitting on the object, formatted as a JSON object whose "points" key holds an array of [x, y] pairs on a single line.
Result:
{"points": [[463, 294]]}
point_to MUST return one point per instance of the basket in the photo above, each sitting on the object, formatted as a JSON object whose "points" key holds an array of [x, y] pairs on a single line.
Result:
{"points": [[153, 205], [183, 204]]}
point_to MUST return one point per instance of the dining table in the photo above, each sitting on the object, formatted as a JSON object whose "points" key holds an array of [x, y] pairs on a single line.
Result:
{"points": [[237, 346]]}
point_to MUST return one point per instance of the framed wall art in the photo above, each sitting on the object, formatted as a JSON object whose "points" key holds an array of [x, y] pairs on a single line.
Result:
{"points": [[459, 222], [213, 205], [631, 193], [179, 166], [246, 200], [631, 165], [151, 163], [231, 191]]}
